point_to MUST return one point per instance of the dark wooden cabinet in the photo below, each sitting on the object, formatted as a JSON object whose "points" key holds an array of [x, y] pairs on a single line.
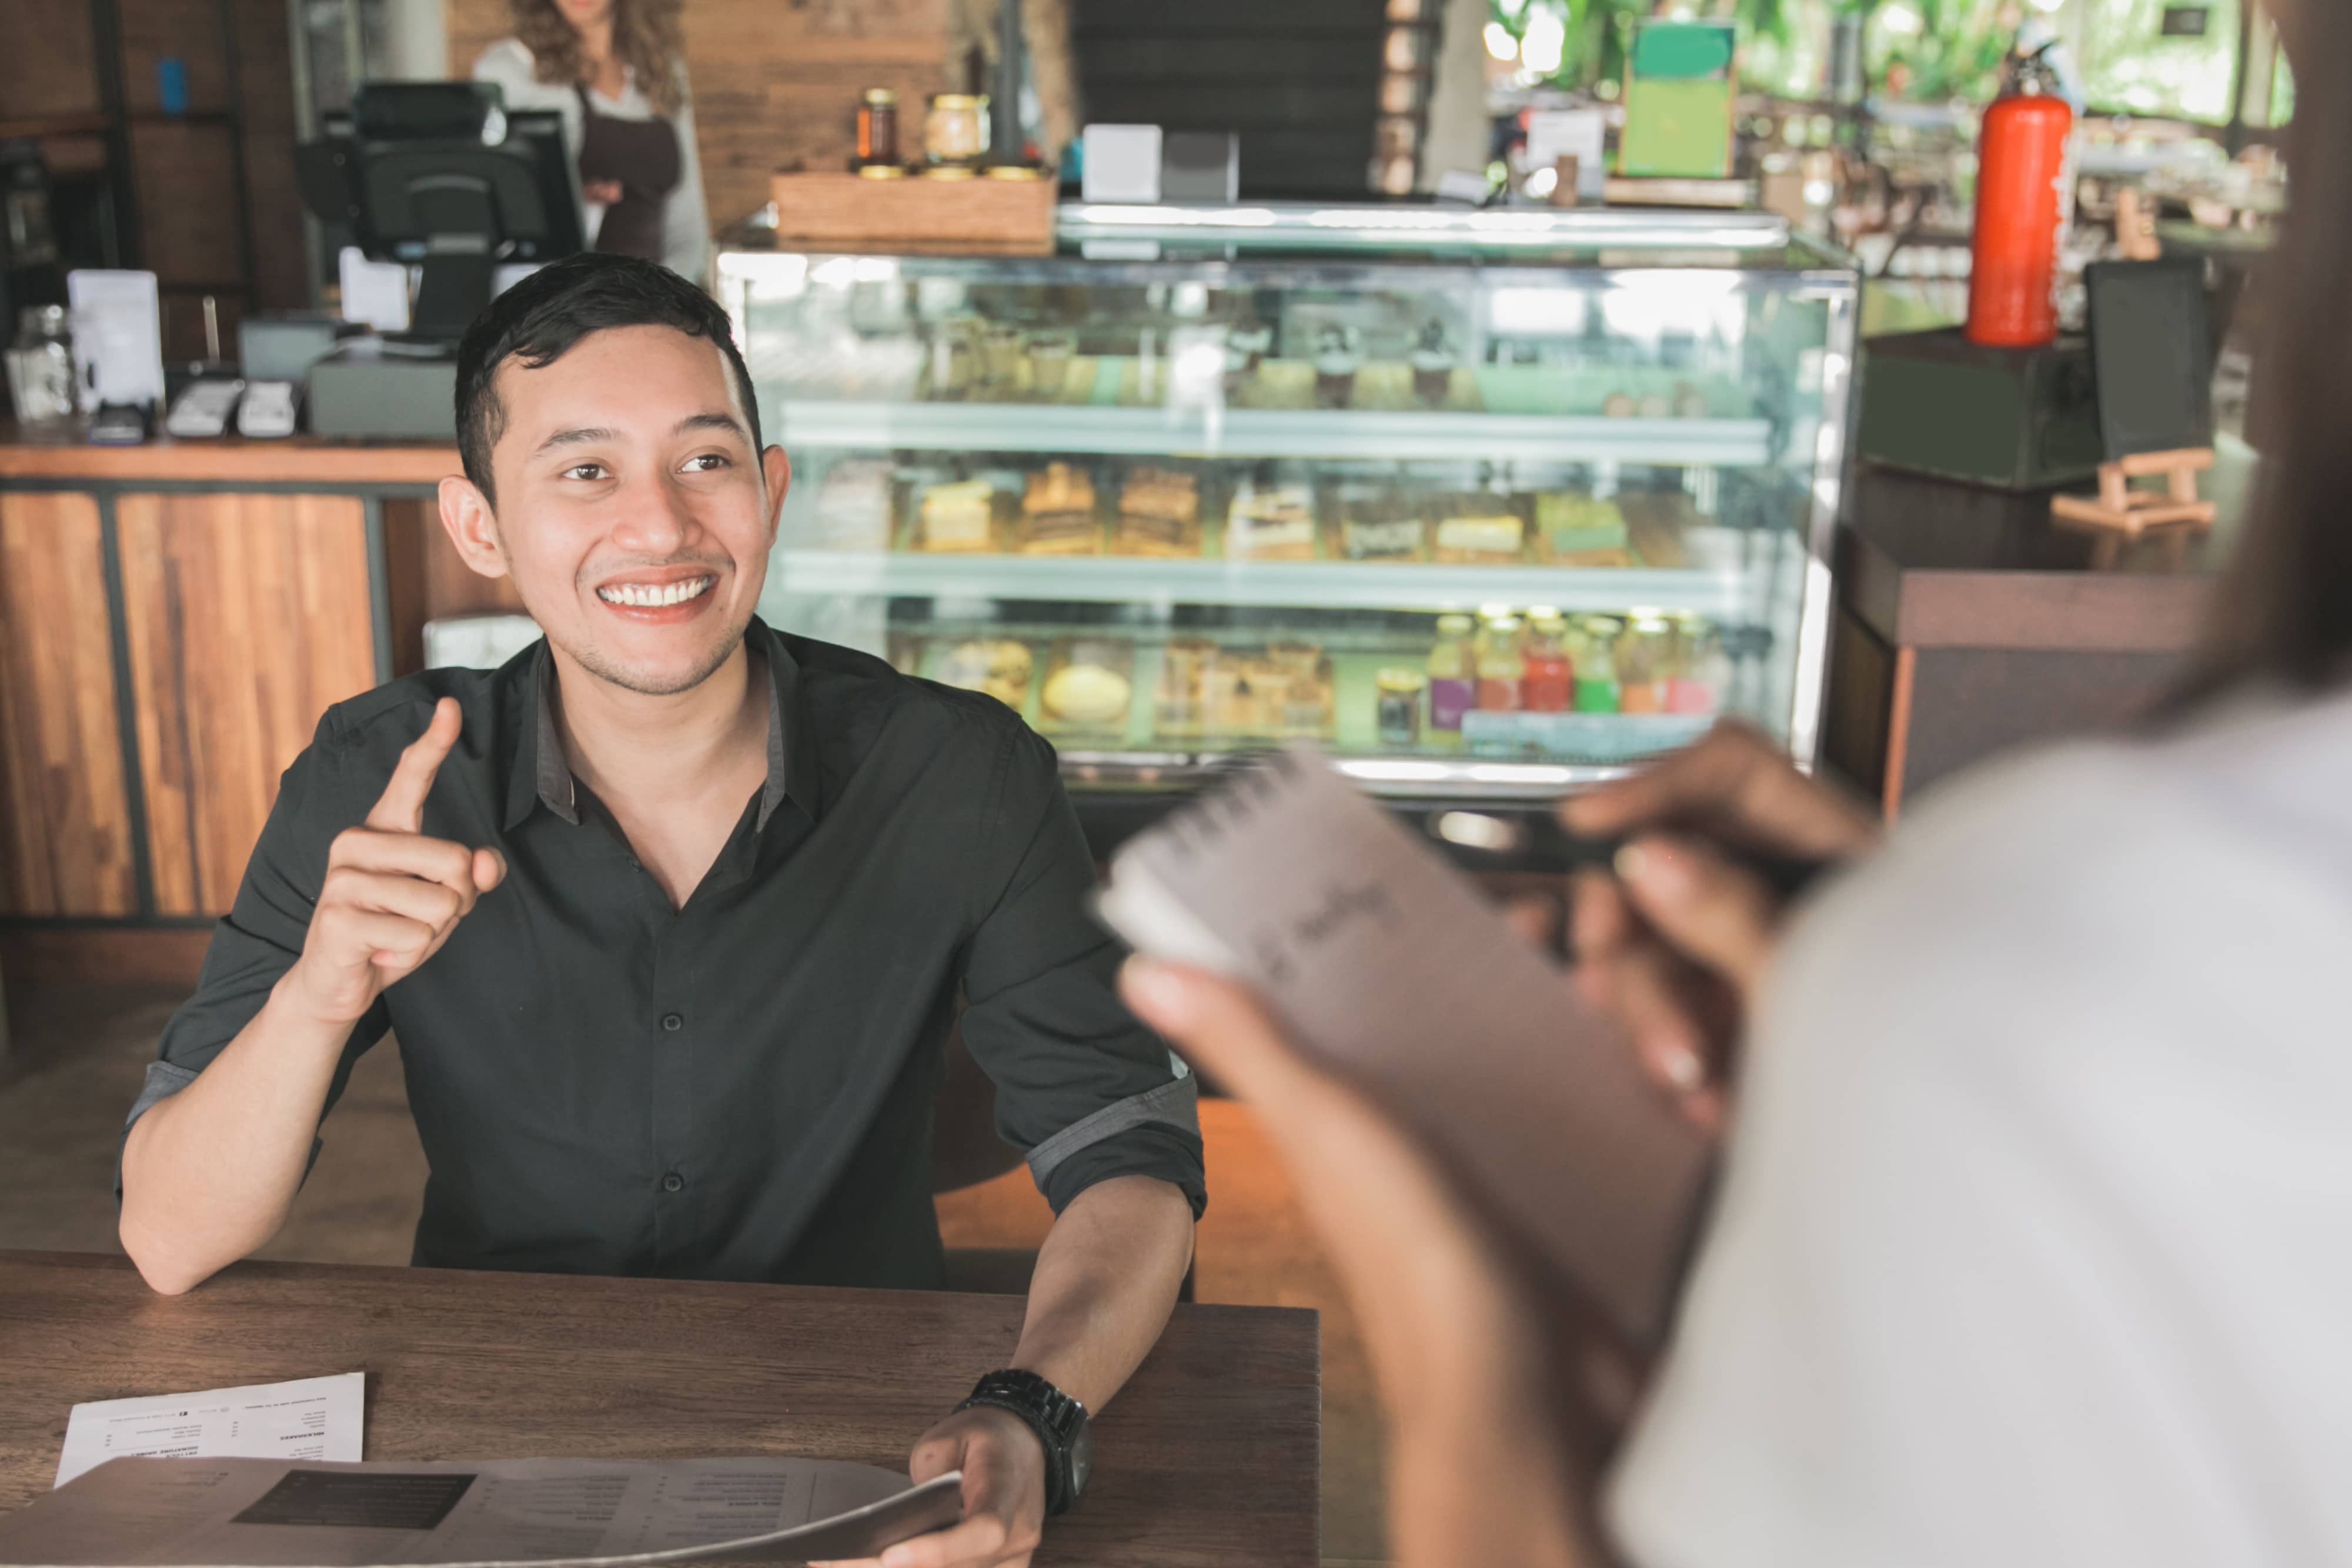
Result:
{"points": [[1966, 625]]}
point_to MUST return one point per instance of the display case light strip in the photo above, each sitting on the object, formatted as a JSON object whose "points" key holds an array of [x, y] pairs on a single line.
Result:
{"points": [[1382, 224]]}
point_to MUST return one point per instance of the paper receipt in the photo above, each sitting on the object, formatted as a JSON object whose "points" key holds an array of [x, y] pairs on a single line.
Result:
{"points": [[310, 1418]]}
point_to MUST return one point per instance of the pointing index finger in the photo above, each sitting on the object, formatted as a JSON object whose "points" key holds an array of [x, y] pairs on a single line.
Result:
{"points": [[400, 809]]}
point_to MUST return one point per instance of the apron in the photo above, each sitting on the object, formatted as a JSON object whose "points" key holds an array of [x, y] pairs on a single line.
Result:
{"points": [[643, 155]]}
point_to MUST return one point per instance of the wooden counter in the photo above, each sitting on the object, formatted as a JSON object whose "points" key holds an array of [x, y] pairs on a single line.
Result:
{"points": [[173, 619], [1967, 624], [299, 460]]}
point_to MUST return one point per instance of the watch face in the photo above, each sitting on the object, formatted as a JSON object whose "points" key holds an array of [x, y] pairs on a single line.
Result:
{"points": [[1082, 1458]]}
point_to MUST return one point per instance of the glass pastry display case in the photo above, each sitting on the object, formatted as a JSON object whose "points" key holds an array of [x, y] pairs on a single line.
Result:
{"points": [[1488, 504]]}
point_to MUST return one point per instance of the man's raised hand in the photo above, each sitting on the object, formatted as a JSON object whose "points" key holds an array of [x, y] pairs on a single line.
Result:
{"points": [[392, 895]]}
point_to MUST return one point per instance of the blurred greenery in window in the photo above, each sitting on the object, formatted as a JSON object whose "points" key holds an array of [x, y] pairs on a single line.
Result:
{"points": [[2129, 63], [1921, 50]]}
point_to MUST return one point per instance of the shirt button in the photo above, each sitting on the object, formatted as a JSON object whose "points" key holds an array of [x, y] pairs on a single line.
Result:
{"points": [[672, 1183], [673, 1021]]}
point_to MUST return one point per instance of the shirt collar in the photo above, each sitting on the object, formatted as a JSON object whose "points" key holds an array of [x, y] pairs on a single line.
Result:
{"points": [[542, 777]]}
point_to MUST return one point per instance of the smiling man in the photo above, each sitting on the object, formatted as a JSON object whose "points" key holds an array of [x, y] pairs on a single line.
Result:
{"points": [[672, 915]]}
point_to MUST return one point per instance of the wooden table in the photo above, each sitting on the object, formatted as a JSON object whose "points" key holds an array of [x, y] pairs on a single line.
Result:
{"points": [[1209, 1455]]}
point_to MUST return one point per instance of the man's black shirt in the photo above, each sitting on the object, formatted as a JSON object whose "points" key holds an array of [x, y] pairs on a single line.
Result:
{"points": [[741, 1088]]}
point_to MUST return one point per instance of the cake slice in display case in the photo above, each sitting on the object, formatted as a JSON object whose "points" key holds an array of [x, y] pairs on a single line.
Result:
{"points": [[1158, 514], [1057, 513]]}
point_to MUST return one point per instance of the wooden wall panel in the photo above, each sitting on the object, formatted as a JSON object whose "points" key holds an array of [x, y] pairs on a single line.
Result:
{"points": [[65, 812], [48, 65], [266, 92], [186, 176], [187, 30], [775, 85], [248, 616]]}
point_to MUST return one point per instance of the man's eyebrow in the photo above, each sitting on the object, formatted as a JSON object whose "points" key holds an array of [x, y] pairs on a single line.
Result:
{"points": [[713, 419], [580, 436]]}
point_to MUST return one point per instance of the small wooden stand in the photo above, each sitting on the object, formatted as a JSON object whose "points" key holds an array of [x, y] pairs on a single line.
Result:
{"points": [[2118, 513]]}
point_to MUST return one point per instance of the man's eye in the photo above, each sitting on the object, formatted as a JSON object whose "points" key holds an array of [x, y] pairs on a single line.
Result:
{"points": [[707, 462], [584, 471]]}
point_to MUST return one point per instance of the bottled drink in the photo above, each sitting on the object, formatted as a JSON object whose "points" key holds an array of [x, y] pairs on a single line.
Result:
{"points": [[1641, 650], [1500, 669], [1452, 677], [1399, 713], [1595, 656], [1548, 678], [1696, 685]]}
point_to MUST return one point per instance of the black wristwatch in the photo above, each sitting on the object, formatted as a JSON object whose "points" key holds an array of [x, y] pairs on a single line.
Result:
{"points": [[1060, 1423]]}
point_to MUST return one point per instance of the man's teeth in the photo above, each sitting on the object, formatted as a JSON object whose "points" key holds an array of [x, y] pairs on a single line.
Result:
{"points": [[653, 596]]}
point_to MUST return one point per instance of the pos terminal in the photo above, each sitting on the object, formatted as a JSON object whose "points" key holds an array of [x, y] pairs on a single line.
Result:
{"points": [[442, 178]]}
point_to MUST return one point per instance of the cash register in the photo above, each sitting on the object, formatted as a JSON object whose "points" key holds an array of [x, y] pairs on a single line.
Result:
{"points": [[441, 177]]}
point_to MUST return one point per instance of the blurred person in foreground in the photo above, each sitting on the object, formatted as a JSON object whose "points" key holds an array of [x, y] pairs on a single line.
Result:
{"points": [[2032, 1244]]}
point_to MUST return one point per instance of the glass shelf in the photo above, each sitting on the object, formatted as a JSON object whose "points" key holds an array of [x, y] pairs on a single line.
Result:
{"points": [[1212, 431], [1722, 594]]}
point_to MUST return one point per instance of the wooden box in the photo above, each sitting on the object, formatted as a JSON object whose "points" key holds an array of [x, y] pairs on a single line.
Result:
{"points": [[990, 216]]}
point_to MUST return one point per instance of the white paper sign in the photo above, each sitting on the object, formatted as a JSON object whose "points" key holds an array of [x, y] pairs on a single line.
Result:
{"points": [[375, 293], [1578, 133], [312, 1418]]}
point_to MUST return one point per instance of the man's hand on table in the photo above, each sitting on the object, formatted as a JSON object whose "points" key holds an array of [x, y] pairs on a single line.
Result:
{"points": [[392, 896], [1003, 1468]]}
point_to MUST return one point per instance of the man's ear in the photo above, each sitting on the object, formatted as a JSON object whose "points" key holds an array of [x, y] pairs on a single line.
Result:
{"points": [[466, 514], [776, 475]]}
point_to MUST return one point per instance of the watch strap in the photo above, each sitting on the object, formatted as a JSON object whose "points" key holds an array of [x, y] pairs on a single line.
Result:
{"points": [[1054, 1416]]}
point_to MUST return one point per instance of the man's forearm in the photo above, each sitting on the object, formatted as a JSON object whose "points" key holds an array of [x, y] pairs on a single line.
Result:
{"points": [[1106, 1281], [208, 1174]]}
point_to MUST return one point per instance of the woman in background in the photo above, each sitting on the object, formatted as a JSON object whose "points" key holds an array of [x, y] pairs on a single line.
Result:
{"points": [[613, 69], [2033, 1248]]}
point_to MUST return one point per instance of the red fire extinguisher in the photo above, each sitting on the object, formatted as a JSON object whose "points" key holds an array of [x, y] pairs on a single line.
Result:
{"points": [[2021, 201]]}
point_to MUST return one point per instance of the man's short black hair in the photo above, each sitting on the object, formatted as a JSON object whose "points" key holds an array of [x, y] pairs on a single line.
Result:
{"points": [[540, 319]]}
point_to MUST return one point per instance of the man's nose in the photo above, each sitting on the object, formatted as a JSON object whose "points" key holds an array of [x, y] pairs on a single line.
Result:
{"points": [[654, 518]]}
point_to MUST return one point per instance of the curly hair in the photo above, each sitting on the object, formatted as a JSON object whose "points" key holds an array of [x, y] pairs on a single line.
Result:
{"points": [[645, 36]]}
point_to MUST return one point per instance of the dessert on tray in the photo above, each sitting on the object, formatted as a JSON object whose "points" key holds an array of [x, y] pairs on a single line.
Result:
{"points": [[852, 507], [1578, 530], [1337, 361], [1380, 523], [999, 666], [1482, 533], [1158, 514], [1057, 513], [1276, 522], [1280, 692], [957, 516], [1088, 686]]}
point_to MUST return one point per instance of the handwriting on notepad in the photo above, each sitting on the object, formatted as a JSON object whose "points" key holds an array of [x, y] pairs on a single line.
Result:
{"points": [[1333, 911]]}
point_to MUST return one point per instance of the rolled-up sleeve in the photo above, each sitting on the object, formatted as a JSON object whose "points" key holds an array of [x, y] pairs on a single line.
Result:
{"points": [[258, 940], [1085, 1090]]}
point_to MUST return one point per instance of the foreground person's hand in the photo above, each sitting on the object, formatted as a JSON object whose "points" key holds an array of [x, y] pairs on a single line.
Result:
{"points": [[1676, 941], [1482, 1460], [1003, 1468], [392, 895]]}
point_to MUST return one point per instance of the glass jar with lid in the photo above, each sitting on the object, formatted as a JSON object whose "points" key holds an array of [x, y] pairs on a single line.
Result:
{"points": [[955, 130], [878, 132], [41, 367]]}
